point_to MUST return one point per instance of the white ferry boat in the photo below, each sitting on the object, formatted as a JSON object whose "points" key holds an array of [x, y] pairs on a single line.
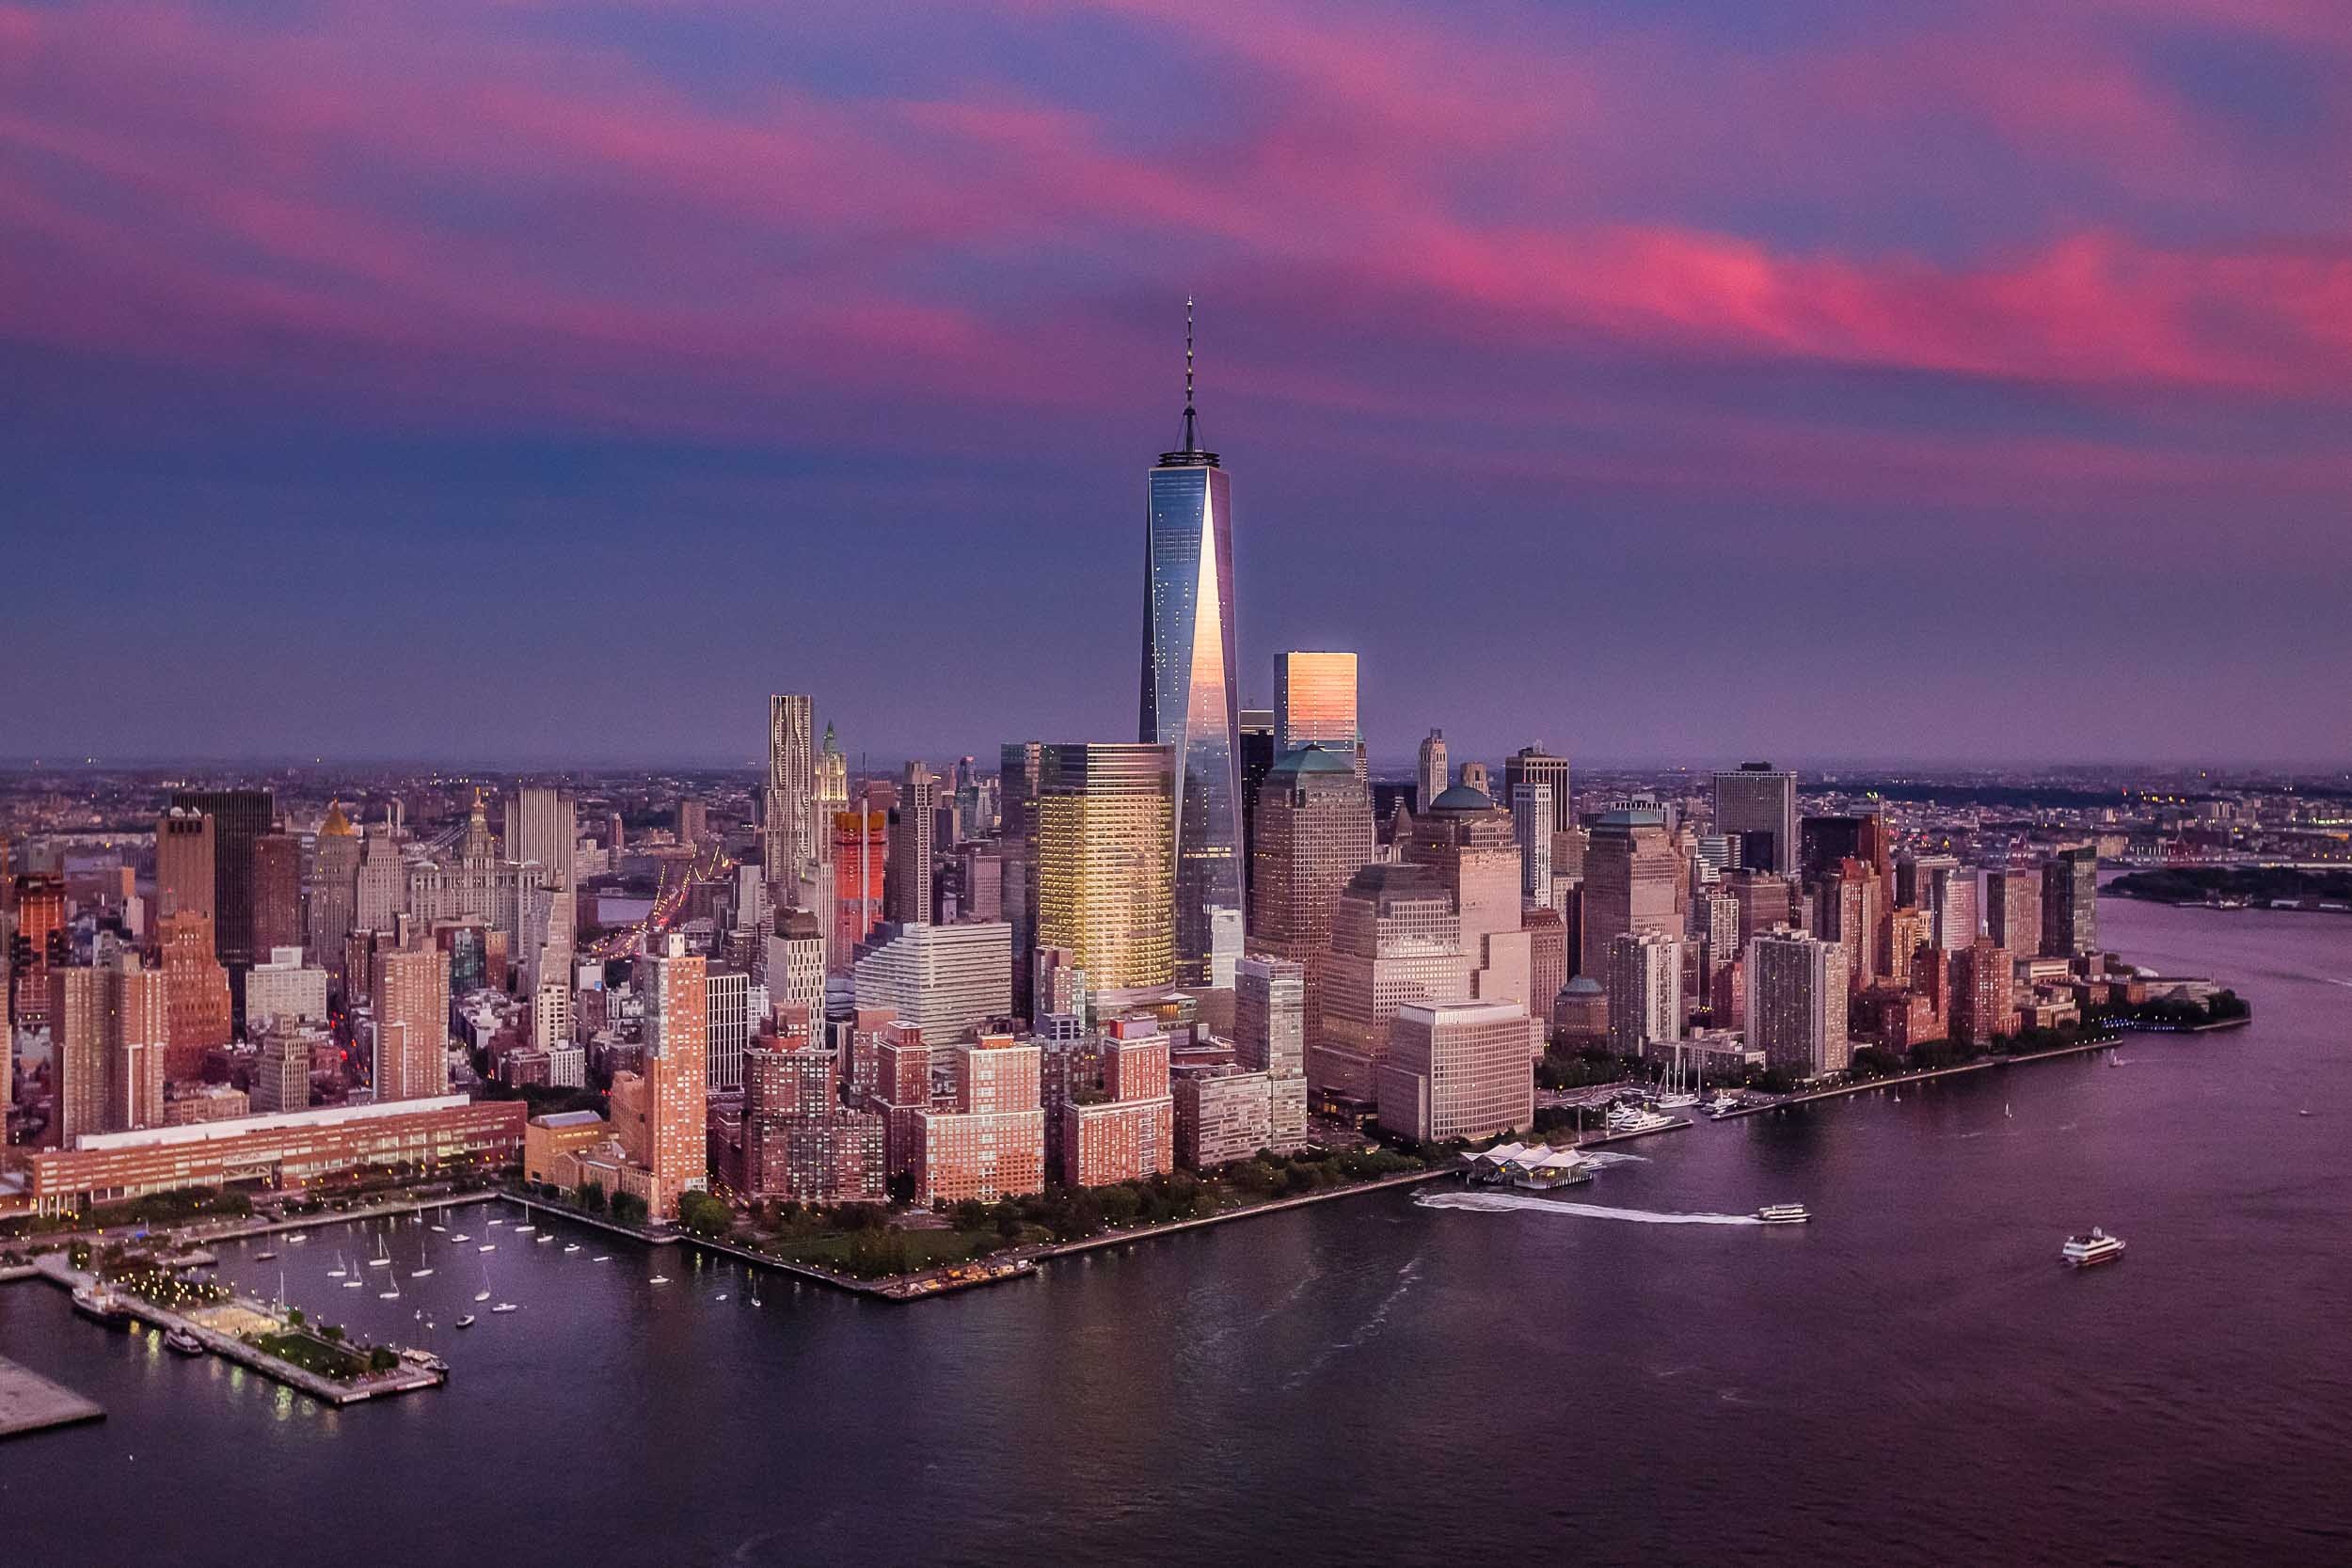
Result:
{"points": [[2081, 1252], [1783, 1214]]}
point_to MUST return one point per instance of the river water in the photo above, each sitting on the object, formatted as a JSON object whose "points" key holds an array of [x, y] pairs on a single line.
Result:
{"points": [[1911, 1379]]}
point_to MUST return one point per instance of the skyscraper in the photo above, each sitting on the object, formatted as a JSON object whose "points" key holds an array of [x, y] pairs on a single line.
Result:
{"points": [[334, 889], [1631, 876], [1467, 841], [1257, 758], [185, 863], [674, 1097], [788, 823], [1270, 1036], [913, 826], [1797, 1003], [2069, 903], [1315, 705], [239, 816], [541, 825], [409, 992], [1431, 774], [1530, 824], [1460, 1069], [2012, 908], [1188, 699], [861, 855], [1645, 988], [1396, 938], [1533, 764], [1758, 806], [1105, 818], [276, 894], [1314, 831]]}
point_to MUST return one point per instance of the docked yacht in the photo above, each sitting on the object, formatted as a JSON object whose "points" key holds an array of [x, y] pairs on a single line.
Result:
{"points": [[2081, 1252], [1783, 1214], [1636, 1118]]}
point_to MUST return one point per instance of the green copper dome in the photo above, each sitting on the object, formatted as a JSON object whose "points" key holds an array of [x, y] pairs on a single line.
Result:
{"points": [[1462, 798], [1313, 759]]}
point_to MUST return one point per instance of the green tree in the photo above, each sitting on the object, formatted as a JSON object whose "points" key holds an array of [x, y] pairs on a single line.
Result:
{"points": [[381, 1359], [628, 1209]]}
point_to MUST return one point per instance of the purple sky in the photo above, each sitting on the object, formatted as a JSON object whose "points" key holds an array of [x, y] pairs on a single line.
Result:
{"points": [[1820, 379]]}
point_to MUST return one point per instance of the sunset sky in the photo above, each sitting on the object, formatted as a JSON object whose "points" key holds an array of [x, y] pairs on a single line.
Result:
{"points": [[496, 382]]}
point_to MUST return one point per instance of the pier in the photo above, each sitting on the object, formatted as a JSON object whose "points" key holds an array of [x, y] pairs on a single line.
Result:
{"points": [[30, 1402]]}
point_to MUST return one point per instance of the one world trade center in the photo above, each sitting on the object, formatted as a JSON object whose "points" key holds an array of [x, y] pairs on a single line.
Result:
{"points": [[1189, 703]]}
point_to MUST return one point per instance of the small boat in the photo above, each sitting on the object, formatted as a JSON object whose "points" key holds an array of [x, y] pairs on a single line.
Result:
{"points": [[574, 1246], [439, 1229], [658, 1280], [419, 1273], [525, 1230], [383, 1259], [483, 1295], [488, 1246], [354, 1283], [392, 1294], [296, 1238], [506, 1306], [605, 1258], [264, 1257], [2081, 1252], [497, 1221], [544, 1237], [1783, 1214], [461, 1237], [340, 1269], [2005, 1110], [181, 1342], [466, 1320]]}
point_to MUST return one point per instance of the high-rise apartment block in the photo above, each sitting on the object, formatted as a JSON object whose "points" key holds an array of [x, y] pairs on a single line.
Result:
{"points": [[409, 994], [992, 1143], [1270, 1036], [1645, 986], [1128, 1131], [671, 1095], [912, 828], [1796, 1003], [2012, 908]]}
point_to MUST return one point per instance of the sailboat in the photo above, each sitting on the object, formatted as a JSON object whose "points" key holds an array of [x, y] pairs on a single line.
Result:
{"points": [[340, 1269], [424, 1268], [383, 1258], [354, 1282], [390, 1290], [483, 1295], [2005, 1110], [756, 1301]]}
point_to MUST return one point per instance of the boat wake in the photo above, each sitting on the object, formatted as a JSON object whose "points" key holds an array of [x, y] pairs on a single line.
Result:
{"points": [[1601, 1158], [1499, 1203]]}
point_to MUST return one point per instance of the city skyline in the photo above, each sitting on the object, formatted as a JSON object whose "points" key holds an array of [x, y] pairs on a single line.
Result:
{"points": [[2042, 380]]}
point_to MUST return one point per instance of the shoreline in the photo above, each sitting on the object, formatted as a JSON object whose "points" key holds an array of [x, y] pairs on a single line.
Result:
{"points": [[1895, 1080]]}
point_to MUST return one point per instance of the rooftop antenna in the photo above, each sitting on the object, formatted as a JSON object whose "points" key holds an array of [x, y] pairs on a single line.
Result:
{"points": [[1190, 444]]}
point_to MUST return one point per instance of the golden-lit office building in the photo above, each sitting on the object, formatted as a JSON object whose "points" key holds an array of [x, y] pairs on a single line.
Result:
{"points": [[1106, 830], [1316, 704]]}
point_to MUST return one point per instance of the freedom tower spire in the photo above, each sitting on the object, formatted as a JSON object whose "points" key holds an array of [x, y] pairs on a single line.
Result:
{"points": [[1189, 703]]}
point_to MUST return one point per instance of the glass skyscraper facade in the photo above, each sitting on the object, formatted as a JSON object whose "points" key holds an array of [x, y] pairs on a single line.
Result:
{"points": [[1189, 700]]}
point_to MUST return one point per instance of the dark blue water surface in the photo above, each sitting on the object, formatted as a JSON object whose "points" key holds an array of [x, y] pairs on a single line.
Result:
{"points": [[1911, 1379]]}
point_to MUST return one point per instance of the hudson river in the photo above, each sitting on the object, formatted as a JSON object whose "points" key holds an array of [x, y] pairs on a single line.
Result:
{"points": [[1911, 1379]]}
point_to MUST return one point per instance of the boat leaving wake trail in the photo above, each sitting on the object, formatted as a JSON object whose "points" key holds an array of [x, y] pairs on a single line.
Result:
{"points": [[1498, 1203]]}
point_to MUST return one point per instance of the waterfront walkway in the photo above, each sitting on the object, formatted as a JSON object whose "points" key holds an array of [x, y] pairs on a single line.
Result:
{"points": [[30, 1402], [1900, 1079]]}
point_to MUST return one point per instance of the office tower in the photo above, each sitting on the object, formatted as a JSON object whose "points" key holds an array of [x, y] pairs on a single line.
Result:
{"points": [[2012, 908], [1430, 776], [382, 895], [1190, 704], [979, 880], [1645, 988], [727, 1028], [409, 992], [947, 981], [674, 984], [795, 967], [992, 1143], [1533, 764], [1467, 841], [239, 817], [1258, 753], [1633, 880], [1531, 825], [334, 889], [196, 994], [1766, 902], [281, 1079], [1547, 957], [1270, 1036], [1126, 1131], [2069, 903], [276, 894], [1460, 1069], [185, 872], [1981, 983], [542, 825], [1822, 842], [1314, 831], [1315, 705], [1847, 912], [477, 882], [692, 821], [913, 824], [861, 858], [1954, 906], [1396, 938], [286, 990], [1756, 806], [1796, 1003], [1104, 871], [1020, 770], [789, 821]]}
